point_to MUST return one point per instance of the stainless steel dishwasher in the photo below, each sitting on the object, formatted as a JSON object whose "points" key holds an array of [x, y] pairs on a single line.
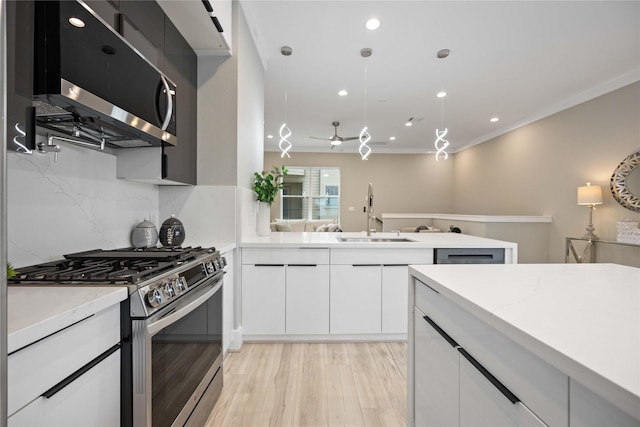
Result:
{"points": [[468, 256]]}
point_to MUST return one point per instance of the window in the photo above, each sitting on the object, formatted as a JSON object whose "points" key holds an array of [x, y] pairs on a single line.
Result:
{"points": [[311, 193]]}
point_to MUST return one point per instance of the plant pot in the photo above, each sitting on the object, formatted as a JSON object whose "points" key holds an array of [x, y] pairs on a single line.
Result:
{"points": [[264, 219]]}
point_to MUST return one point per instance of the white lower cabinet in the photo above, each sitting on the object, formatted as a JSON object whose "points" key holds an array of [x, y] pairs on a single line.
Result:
{"points": [[590, 410], [263, 299], [307, 299], [285, 292], [93, 399], [395, 294], [356, 298], [69, 378], [451, 386], [483, 404], [436, 377]]}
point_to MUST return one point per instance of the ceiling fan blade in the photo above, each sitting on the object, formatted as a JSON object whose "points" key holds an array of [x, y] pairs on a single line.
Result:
{"points": [[324, 139], [350, 138]]}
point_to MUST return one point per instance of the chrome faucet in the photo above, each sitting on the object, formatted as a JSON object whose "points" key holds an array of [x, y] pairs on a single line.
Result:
{"points": [[370, 215]]}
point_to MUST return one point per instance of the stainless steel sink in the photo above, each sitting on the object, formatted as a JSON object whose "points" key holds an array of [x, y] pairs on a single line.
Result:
{"points": [[374, 239]]}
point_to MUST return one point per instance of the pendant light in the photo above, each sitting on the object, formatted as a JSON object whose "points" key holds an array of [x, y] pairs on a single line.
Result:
{"points": [[365, 137], [284, 144], [441, 144]]}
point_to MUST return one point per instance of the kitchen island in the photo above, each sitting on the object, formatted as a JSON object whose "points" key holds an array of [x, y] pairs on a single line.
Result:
{"points": [[342, 286], [545, 344]]}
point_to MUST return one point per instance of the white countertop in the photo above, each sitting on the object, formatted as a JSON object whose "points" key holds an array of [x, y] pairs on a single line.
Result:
{"points": [[34, 312], [329, 240], [582, 318]]}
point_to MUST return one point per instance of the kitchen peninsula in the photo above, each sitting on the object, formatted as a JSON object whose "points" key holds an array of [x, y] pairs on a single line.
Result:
{"points": [[545, 344], [343, 286]]}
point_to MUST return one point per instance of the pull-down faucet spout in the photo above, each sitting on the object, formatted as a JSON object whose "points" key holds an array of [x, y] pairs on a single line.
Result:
{"points": [[370, 215]]}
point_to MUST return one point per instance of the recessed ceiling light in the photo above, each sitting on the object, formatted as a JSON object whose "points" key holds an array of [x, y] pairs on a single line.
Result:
{"points": [[373, 24], [494, 119], [392, 138], [270, 136], [76, 22], [441, 94], [343, 93]]}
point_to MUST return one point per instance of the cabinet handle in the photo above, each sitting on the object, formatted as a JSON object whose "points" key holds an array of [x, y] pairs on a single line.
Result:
{"points": [[268, 265], [302, 265], [77, 374], [493, 380], [442, 333], [395, 265], [365, 265]]}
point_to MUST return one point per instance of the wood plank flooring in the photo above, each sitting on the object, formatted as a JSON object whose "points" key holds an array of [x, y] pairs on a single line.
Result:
{"points": [[314, 384]]}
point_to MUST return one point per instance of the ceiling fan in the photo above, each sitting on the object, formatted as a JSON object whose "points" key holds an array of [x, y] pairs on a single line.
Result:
{"points": [[336, 139]]}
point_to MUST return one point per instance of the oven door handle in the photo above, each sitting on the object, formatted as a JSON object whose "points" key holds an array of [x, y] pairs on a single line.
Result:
{"points": [[184, 308]]}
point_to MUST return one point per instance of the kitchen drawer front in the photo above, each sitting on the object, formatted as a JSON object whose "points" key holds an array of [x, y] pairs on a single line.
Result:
{"points": [[93, 399], [395, 256], [43, 364], [543, 388], [285, 256]]}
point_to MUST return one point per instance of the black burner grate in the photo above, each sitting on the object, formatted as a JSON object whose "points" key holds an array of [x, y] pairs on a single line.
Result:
{"points": [[126, 265]]}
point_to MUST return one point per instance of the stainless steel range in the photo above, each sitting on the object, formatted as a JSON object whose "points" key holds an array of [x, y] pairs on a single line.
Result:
{"points": [[171, 325]]}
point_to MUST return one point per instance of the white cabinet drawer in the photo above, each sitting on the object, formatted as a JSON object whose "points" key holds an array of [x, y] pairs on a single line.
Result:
{"points": [[543, 388], [41, 365], [397, 256], [285, 256], [93, 399]]}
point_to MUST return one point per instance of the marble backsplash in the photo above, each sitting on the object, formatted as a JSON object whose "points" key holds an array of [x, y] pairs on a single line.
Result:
{"points": [[72, 205]]}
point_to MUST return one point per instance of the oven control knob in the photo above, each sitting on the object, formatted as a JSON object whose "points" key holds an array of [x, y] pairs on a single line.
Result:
{"points": [[210, 267], [154, 297], [169, 291], [179, 285]]}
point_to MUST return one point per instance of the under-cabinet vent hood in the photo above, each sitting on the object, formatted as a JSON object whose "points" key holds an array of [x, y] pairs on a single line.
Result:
{"points": [[90, 84]]}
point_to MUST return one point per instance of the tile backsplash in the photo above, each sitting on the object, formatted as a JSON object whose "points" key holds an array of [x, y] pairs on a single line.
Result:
{"points": [[72, 205]]}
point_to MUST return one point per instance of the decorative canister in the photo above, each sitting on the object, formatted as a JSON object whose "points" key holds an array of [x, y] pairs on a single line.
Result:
{"points": [[172, 232], [144, 235]]}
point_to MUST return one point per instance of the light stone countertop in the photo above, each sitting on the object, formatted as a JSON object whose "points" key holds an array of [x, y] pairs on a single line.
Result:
{"points": [[330, 240], [34, 312], [583, 319]]}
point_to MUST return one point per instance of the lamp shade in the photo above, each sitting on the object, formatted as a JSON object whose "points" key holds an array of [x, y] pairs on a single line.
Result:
{"points": [[590, 195]]}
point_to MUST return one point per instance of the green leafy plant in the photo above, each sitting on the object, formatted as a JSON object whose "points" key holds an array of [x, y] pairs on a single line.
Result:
{"points": [[267, 184], [10, 271]]}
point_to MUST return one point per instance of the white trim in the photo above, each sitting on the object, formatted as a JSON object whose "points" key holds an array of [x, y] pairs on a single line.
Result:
{"points": [[472, 218]]}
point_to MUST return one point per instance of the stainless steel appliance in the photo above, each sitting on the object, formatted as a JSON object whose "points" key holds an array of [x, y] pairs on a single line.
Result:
{"points": [[469, 256], [85, 78], [172, 371]]}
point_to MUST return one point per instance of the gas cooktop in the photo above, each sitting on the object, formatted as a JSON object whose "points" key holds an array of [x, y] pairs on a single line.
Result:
{"points": [[115, 266]]}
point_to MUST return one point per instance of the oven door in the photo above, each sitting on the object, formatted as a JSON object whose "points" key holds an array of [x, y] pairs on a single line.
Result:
{"points": [[177, 358]]}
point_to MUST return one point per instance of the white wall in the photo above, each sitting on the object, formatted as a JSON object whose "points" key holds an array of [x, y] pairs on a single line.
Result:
{"points": [[74, 205]]}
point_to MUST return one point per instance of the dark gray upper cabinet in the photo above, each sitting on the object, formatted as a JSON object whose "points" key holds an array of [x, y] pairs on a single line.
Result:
{"points": [[181, 67], [107, 10], [20, 113], [142, 25]]}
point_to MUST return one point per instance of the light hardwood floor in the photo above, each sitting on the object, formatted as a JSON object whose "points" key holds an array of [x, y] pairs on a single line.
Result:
{"points": [[314, 384]]}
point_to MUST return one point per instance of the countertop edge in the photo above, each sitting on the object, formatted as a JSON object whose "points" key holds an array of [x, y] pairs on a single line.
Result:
{"points": [[472, 218]]}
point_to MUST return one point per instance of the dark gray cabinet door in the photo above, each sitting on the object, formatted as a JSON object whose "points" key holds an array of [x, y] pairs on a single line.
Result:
{"points": [[108, 10], [181, 66], [20, 114], [142, 25]]}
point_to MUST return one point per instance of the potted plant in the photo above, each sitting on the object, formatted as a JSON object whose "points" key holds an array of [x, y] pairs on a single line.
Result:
{"points": [[266, 186]]}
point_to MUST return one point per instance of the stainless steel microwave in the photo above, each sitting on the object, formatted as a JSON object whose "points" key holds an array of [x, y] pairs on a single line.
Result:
{"points": [[90, 83]]}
